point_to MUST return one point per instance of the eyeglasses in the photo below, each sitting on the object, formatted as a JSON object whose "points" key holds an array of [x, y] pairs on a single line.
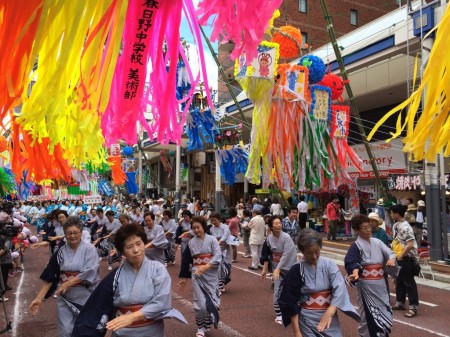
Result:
{"points": [[365, 228], [73, 233]]}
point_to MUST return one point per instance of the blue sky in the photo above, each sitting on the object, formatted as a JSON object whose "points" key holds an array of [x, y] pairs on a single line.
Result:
{"points": [[210, 64]]}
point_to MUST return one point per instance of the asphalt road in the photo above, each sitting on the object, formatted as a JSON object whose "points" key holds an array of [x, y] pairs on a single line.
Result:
{"points": [[246, 308]]}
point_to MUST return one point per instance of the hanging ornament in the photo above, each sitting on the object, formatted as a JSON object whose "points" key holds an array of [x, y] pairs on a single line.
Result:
{"points": [[336, 85], [316, 67], [290, 40]]}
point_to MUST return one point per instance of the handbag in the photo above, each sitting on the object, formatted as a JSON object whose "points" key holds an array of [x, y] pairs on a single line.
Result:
{"points": [[396, 247]]}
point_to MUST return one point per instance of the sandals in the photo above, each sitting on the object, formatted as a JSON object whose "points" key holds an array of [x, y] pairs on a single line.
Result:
{"points": [[198, 334], [411, 313], [398, 307], [279, 321]]}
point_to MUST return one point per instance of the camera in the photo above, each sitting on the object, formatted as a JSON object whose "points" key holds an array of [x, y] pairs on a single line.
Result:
{"points": [[7, 227]]}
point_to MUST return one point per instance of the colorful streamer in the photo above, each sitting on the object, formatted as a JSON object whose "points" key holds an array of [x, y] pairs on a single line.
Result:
{"points": [[201, 129], [232, 162]]}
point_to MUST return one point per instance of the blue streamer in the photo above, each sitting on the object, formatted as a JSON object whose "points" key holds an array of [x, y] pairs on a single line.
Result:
{"points": [[130, 184], [201, 129], [105, 188], [232, 162]]}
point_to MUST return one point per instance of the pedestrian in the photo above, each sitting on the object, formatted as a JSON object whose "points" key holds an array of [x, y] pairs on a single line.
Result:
{"points": [[333, 213], [377, 232], [183, 229], [170, 229], [276, 208], [368, 262], [222, 234], [204, 255], [73, 270], [256, 240], [290, 223], [302, 208], [313, 290], [132, 300], [233, 225], [156, 239], [420, 219], [277, 256], [245, 231], [407, 258]]}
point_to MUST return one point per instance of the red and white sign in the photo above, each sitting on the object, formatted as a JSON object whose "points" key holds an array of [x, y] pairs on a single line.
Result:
{"points": [[389, 158]]}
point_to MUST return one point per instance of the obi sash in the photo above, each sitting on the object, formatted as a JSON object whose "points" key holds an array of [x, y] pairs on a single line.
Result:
{"points": [[129, 309], [372, 272], [201, 259], [318, 301], [276, 257], [67, 275]]}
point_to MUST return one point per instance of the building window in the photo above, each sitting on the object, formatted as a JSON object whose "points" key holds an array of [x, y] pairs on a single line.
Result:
{"points": [[353, 17], [304, 39], [302, 6]]}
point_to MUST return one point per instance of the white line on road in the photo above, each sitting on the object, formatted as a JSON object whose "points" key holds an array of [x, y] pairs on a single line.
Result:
{"points": [[222, 326], [17, 317], [420, 301], [420, 328]]}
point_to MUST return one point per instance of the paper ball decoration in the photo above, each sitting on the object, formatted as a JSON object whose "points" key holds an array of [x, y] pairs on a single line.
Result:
{"points": [[289, 38], [3, 143], [335, 83], [127, 151], [315, 66]]}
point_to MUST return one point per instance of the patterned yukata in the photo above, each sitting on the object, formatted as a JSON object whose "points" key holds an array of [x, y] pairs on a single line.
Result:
{"points": [[183, 228], [222, 233], [125, 290], [372, 287], [65, 264], [309, 291], [158, 239], [281, 253], [170, 227], [205, 286]]}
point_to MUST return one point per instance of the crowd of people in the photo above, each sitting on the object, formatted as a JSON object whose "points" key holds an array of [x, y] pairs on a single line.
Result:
{"points": [[143, 237]]}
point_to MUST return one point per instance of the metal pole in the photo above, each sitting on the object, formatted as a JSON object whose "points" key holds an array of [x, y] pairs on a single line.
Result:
{"points": [[218, 194], [443, 205], [224, 77], [177, 180], [245, 189], [354, 108]]}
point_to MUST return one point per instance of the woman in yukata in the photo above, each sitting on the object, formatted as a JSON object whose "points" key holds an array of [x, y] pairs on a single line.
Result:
{"points": [[313, 290], [204, 254], [277, 256], [73, 269], [170, 228], [183, 230], [157, 242], [222, 232], [53, 231], [368, 262], [133, 299]]}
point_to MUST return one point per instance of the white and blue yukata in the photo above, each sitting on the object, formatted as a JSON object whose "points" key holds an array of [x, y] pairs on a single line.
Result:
{"points": [[308, 291], [65, 264], [170, 229], [158, 239], [374, 307], [124, 291], [281, 253], [222, 233], [206, 286]]}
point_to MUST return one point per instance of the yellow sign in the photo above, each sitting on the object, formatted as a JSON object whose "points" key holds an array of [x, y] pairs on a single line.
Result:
{"points": [[263, 191]]}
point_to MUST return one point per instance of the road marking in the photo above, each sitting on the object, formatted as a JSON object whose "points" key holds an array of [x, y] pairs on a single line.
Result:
{"points": [[420, 302], [222, 326], [17, 312], [420, 328]]}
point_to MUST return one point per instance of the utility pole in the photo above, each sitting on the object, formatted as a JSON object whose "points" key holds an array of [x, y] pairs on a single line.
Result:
{"points": [[353, 107]]}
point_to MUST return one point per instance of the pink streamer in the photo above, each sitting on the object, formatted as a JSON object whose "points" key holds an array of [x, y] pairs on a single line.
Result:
{"points": [[241, 21]]}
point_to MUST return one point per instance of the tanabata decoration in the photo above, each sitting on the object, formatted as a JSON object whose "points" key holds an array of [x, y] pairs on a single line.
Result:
{"points": [[427, 132], [7, 184], [115, 161], [165, 161], [285, 122], [127, 151], [3, 143], [232, 162], [25, 187], [105, 188], [258, 82], [130, 184], [241, 21], [340, 119], [315, 66], [201, 128], [289, 39], [336, 85], [229, 137]]}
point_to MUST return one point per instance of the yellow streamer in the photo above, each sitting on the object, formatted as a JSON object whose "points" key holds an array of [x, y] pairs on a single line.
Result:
{"points": [[431, 133]]}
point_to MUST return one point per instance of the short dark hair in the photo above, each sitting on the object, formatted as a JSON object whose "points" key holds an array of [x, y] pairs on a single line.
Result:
{"points": [[63, 212], [73, 221], [399, 209], [358, 220], [150, 214], [271, 220], [293, 208], [186, 212], [215, 215], [99, 210], [109, 213], [308, 237], [126, 232], [201, 220], [247, 212], [168, 212], [301, 198], [232, 212]]}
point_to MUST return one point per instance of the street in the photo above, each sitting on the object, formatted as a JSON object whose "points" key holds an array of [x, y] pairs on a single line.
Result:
{"points": [[246, 308]]}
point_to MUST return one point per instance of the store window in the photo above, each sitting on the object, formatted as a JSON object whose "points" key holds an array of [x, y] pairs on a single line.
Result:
{"points": [[302, 6]]}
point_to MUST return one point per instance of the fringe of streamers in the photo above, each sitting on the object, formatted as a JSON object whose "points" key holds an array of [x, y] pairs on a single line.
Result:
{"points": [[232, 162]]}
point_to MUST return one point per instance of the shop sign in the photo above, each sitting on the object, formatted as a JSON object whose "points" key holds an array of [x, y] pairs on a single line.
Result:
{"points": [[369, 190], [263, 191], [389, 158], [92, 199], [404, 182]]}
